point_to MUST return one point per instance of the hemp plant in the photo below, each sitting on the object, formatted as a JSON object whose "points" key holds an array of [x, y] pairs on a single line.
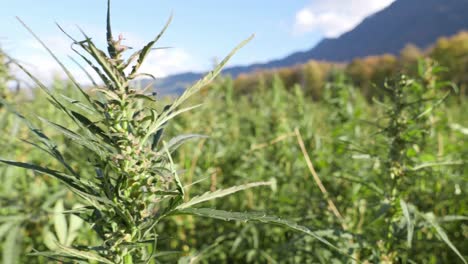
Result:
{"points": [[120, 129], [405, 126], [4, 76]]}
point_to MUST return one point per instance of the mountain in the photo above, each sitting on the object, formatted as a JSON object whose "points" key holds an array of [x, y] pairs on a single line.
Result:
{"points": [[420, 22]]}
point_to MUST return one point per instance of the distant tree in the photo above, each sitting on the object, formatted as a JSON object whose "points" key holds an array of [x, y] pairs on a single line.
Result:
{"points": [[453, 54], [410, 54], [313, 78], [385, 66], [361, 73], [290, 76], [245, 82], [409, 57], [366, 73]]}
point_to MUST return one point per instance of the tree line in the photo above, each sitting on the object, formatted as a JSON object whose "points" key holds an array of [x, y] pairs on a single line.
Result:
{"points": [[369, 72]]}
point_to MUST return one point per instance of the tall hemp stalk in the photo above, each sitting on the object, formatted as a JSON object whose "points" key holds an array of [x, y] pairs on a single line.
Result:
{"points": [[411, 106], [136, 184]]}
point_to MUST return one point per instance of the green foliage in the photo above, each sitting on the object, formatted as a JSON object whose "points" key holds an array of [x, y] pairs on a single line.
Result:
{"points": [[353, 146], [4, 75], [407, 118], [136, 184], [388, 178]]}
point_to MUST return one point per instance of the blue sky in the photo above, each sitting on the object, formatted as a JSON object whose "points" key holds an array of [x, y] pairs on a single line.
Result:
{"points": [[202, 30]]}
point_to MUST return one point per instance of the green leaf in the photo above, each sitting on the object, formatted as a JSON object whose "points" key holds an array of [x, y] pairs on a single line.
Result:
{"points": [[239, 238], [60, 222], [210, 76], [192, 90], [79, 104], [100, 57], [53, 198], [459, 128], [50, 240], [83, 254], [67, 179], [450, 218], [80, 140], [90, 78], [180, 188], [13, 218], [71, 253], [163, 119], [11, 247], [221, 193], [430, 218], [5, 228], [110, 38], [90, 125], [436, 164], [145, 50], [409, 222], [42, 137], [89, 62], [143, 97], [195, 258], [256, 217], [58, 257], [75, 185], [75, 224], [67, 72], [175, 142]]}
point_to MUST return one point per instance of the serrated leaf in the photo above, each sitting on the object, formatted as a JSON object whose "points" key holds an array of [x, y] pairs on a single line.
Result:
{"points": [[100, 57], [90, 78], [67, 179], [143, 97], [13, 218], [5, 228], [164, 118], [175, 142], [409, 222], [179, 185], [67, 72], [194, 89], [145, 50], [53, 198], [60, 222], [58, 257], [79, 104], [80, 140], [98, 71], [83, 254], [430, 218], [210, 76], [74, 254], [257, 217], [75, 224], [220, 193], [11, 247], [450, 218], [75, 185], [90, 125], [50, 240], [197, 257], [53, 150]]}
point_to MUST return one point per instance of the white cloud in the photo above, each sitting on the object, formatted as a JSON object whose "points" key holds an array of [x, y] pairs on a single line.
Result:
{"points": [[32, 56], [162, 63], [334, 17]]}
